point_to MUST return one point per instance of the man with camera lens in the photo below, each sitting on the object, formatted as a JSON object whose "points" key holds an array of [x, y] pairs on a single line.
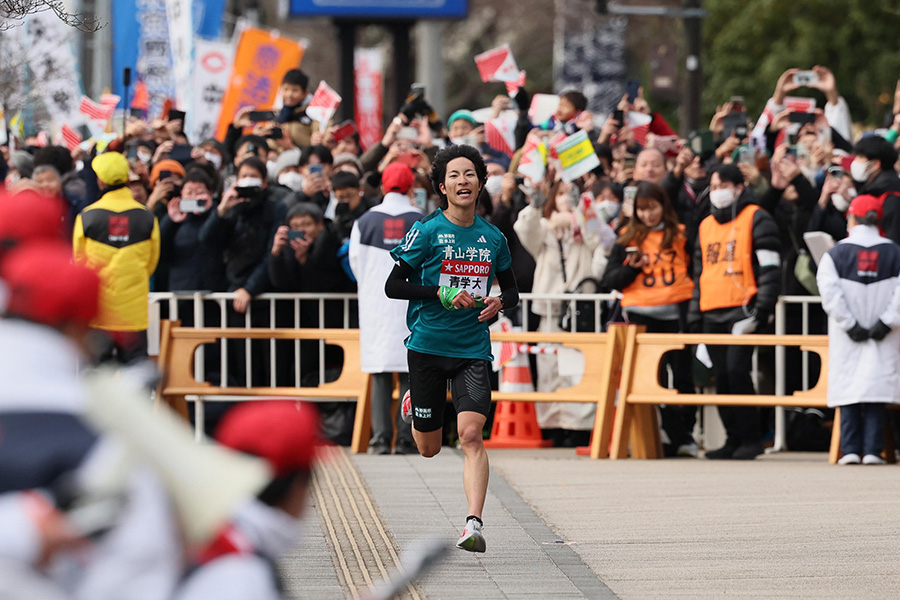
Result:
{"points": [[165, 181]]}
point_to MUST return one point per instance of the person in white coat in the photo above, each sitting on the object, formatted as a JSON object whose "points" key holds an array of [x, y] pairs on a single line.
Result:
{"points": [[563, 253], [859, 281], [382, 320]]}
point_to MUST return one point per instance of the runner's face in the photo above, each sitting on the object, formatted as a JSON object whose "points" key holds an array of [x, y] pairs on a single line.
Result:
{"points": [[461, 183]]}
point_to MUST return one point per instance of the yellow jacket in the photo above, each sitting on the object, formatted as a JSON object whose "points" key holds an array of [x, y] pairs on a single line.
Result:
{"points": [[120, 239]]}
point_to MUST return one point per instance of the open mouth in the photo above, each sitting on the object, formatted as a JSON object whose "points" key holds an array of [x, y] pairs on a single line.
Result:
{"points": [[464, 193]]}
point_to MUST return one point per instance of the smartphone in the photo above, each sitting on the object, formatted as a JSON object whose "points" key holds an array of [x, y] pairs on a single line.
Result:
{"points": [[407, 133], [792, 151], [315, 169], [137, 113], [802, 118], [420, 198], [701, 141], [344, 130], [737, 104], [131, 154], [745, 155], [667, 144], [632, 87], [174, 115], [259, 116], [164, 175], [275, 134], [806, 78], [628, 162], [619, 116], [295, 235], [732, 122], [632, 250], [192, 205], [181, 153], [629, 194]]}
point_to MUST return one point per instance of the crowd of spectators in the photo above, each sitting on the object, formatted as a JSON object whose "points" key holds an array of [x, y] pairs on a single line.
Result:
{"points": [[272, 207]]}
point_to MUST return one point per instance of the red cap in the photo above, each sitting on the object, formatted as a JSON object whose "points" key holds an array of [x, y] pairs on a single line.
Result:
{"points": [[284, 433], [27, 216], [864, 204], [44, 285], [397, 177]]}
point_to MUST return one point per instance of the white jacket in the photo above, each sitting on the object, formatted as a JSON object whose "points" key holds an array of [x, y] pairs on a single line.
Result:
{"points": [[859, 281], [539, 238], [382, 320]]}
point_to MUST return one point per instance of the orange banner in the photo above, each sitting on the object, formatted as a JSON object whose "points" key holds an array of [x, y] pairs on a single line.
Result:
{"points": [[261, 60]]}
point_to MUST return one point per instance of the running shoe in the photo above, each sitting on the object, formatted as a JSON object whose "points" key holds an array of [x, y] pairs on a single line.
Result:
{"points": [[406, 409], [849, 459], [472, 539], [873, 459]]}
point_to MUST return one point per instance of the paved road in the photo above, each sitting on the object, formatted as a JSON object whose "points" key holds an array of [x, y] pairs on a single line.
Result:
{"points": [[561, 526]]}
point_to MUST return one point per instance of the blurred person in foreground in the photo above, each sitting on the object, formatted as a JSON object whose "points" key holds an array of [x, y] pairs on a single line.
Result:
{"points": [[60, 528], [241, 562], [382, 320], [119, 238], [859, 281]]}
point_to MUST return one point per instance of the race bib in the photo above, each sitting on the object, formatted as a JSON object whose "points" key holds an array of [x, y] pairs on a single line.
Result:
{"points": [[466, 275]]}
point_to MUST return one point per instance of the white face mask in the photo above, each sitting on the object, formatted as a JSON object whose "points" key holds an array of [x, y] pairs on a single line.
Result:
{"points": [[247, 182], [721, 197], [494, 184], [144, 157], [860, 170], [271, 169], [608, 210], [291, 180], [840, 203], [214, 159]]}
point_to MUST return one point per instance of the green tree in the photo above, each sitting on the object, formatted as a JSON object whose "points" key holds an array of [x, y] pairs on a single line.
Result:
{"points": [[749, 43]]}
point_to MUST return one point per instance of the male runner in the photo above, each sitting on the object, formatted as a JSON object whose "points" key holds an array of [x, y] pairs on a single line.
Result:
{"points": [[445, 267]]}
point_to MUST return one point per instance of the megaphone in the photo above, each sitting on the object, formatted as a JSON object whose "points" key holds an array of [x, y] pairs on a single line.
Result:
{"points": [[206, 482]]}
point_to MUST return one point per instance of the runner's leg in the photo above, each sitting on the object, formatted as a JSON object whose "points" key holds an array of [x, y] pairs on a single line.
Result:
{"points": [[475, 467], [472, 398]]}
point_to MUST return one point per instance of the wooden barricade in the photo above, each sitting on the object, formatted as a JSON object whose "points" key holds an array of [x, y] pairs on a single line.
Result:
{"points": [[640, 391], [176, 363], [603, 354]]}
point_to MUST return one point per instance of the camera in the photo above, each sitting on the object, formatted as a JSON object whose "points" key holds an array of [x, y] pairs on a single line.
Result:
{"points": [[248, 192], [416, 106], [296, 235]]}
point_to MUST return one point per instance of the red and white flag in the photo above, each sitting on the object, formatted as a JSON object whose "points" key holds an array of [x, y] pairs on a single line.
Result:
{"points": [[500, 134], [324, 102], [71, 137], [110, 100], [799, 104], [512, 87], [639, 123], [497, 65], [42, 140], [94, 110], [368, 75], [534, 158]]}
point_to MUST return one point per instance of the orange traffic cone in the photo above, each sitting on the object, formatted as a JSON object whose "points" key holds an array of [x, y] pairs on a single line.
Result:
{"points": [[515, 423]]}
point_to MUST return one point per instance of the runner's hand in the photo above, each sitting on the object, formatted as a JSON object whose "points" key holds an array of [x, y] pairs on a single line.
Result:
{"points": [[454, 298], [492, 306]]}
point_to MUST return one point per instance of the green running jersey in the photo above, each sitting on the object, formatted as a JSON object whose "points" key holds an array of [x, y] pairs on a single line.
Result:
{"points": [[443, 253]]}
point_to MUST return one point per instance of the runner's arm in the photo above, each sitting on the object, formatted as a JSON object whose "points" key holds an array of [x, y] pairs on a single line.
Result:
{"points": [[398, 285], [509, 289]]}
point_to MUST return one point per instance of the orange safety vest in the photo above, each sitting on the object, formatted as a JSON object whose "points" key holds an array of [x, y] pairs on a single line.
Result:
{"points": [[727, 279], [665, 280]]}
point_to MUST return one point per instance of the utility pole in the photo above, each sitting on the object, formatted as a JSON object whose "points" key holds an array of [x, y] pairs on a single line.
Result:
{"points": [[693, 28]]}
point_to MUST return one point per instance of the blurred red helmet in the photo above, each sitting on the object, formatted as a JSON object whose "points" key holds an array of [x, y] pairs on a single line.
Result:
{"points": [[45, 286], [284, 433]]}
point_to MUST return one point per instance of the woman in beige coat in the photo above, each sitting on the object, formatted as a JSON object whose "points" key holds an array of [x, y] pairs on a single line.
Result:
{"points": [[562, 251]]}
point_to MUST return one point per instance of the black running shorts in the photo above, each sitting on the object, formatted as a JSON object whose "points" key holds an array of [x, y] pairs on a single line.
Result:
{"points": [[428, 377]]}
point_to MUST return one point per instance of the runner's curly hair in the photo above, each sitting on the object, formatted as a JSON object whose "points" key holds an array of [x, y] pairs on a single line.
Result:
{"points": [[439, 166]]}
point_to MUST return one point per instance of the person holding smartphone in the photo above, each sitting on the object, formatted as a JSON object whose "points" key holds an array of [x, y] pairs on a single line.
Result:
{"points": [[316, 167], [649, 264]]}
